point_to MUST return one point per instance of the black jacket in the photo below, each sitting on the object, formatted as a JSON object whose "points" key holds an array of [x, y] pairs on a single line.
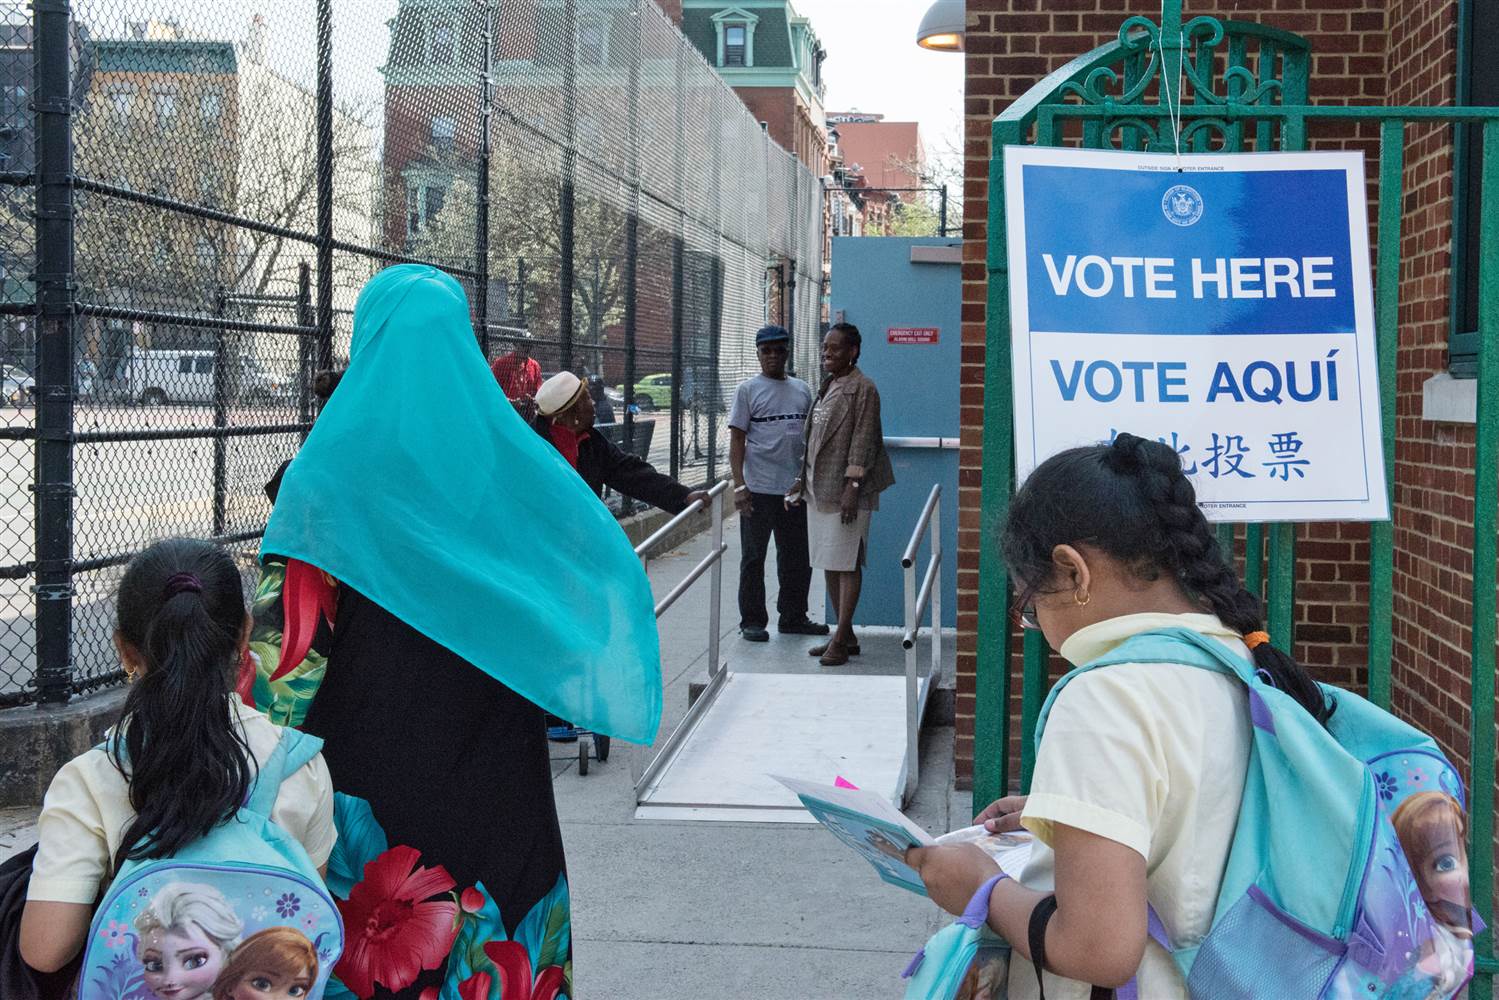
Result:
{"points": [[602, 464]]}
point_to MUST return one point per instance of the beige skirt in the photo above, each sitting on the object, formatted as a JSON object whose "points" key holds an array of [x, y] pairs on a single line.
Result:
{"points": [[833, 545]]}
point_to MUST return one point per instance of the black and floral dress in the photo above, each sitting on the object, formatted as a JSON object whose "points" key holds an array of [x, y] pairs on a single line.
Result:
{"points": [[449, 870]]}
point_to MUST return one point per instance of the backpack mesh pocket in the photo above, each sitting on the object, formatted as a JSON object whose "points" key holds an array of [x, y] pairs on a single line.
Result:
{"points": [[1256, 950]]}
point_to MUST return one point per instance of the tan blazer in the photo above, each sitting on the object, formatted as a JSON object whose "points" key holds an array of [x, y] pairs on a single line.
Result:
{"points": [[850, 442]]}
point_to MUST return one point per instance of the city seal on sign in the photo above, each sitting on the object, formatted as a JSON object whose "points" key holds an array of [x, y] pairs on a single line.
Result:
{"points": [[1182, 205]]}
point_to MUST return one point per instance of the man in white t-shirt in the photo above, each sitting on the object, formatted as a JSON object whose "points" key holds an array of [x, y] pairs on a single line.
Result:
{"points": [[765, 455]]}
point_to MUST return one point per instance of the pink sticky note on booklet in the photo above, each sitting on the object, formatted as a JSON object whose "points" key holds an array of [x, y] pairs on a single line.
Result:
{"points": [[841, 782]]}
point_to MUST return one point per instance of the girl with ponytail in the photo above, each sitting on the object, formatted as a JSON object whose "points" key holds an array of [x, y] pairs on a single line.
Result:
{"points": [[180, 760], [1139, 775]]}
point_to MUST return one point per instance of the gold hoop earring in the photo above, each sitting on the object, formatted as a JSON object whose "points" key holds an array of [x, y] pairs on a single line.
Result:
{"points": [[1082, 601], [130, 676]]}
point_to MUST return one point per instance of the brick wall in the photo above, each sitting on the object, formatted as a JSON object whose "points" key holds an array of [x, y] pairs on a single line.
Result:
{"points": [[1011, 44]]}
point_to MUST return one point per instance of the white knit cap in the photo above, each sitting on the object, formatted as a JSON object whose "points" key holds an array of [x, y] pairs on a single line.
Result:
{"points": [[558, 393]]}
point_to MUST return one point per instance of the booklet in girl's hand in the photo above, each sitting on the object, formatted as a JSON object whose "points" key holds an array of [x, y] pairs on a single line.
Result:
{"points": [[869, 824], [881, 834]]}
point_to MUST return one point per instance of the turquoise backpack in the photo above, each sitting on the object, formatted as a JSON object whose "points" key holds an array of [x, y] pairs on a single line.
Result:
{"points": [[245, 887], [1318, 899], [963, 960]]}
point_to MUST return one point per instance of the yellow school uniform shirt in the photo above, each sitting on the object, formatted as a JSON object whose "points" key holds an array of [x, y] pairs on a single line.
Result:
{"points": [[1152, 756], [87, 810]]}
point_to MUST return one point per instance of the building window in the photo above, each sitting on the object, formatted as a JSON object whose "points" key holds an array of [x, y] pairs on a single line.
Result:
{"points": [[444, 51], [1477, 85], [211, 107], [736, 36], [593, 43], [735, 43], [444, 132], [423, 203], [166, 108], [122, 101]]}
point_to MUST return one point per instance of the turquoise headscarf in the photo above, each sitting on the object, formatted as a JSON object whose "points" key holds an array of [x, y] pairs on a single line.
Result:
{"points": [[422, 488]]}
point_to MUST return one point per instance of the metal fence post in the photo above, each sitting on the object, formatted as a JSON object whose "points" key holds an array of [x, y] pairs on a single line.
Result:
{"points": [[942, 214], [55, 292], [305, 366], [520, 290], [632, 230], [569, 183], [325, 183], [678, 250], [481, 235], [220, 416], [715, 335]]}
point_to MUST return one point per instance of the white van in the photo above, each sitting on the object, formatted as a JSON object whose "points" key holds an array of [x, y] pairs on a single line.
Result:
{"points": [[157, 377], [170, 376]]}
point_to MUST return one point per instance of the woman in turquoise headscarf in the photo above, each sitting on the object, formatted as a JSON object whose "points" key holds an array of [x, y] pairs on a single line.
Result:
{"points": [[473, 583]]}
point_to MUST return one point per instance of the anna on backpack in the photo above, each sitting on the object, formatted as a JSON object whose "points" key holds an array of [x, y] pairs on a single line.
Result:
{"points": [[184, 759], [1137, 881]]}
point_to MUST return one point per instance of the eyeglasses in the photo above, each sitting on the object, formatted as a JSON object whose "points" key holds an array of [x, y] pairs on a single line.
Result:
{"points": [[1026, 617]]}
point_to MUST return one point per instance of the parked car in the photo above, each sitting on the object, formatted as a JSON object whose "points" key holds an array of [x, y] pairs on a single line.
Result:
{"points": [[18, 387], [651, 392]]}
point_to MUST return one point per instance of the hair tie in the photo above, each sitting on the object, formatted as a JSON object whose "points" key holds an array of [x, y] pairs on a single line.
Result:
{"points": [[183, 583], [1254, 640]]}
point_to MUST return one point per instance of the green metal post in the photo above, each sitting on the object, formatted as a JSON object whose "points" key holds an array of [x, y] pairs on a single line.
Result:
{"points": [[1031, 696], [1254, 559], [1226, 541], [991, 707], [1281, 595], [1282, 585], [1387, 331], [1485, 552]]}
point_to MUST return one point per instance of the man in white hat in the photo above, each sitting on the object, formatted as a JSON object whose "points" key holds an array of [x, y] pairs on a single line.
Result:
{"points": [[564, 416]]}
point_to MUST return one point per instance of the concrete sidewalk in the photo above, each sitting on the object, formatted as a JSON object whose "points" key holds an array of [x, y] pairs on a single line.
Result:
{"points": [[667, 910], [684, 910]]}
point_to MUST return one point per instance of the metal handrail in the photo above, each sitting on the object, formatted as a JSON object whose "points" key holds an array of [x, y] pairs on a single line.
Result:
{"points": [[908, 557], [948, 444], [711, 564], [930, 596], [655, 538], [923, 598]]}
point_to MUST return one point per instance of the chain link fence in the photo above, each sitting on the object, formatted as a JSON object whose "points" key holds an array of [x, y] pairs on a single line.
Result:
{"points": [[192, 195]]}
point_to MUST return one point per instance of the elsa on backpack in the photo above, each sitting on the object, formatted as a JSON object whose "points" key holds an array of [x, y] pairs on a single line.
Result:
{"points": [[176, 781], [1139, 786]]}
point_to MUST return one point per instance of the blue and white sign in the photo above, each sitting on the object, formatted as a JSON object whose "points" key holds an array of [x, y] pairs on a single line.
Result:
{"points": [[1220, 303]]}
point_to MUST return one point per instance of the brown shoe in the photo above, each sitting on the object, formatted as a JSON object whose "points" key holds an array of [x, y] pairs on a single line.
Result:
{"points": [[834, 655], [822, 647]]}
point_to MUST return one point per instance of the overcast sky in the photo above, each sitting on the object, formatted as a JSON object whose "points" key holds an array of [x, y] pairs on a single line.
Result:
{"points": [[875, 65]]}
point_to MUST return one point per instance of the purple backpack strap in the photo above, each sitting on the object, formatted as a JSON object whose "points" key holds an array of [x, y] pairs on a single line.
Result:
{"points": [[1157, 931], [975, 915]]}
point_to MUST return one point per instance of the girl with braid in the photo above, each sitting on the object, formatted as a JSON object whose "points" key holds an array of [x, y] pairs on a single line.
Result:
{"points": [[1141, 769]]}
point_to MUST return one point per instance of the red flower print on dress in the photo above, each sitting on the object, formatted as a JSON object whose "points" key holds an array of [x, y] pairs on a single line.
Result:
{"points": [[472, 900], [514, 965], [393, 928], [475, 987]]}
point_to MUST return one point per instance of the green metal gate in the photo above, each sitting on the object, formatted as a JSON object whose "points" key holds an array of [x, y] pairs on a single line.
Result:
{"points": [[1248, 92]]}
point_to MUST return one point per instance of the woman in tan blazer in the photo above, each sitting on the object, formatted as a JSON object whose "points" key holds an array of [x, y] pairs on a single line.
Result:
{"points": [[844, 470]]}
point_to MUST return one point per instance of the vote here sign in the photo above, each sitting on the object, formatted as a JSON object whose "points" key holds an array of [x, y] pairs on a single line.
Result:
{"points": [[1219, 303]]}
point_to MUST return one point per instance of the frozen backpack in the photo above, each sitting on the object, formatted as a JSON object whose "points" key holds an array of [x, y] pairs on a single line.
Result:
{"points": [[1355, 884], [244, 900], [964, 960]]}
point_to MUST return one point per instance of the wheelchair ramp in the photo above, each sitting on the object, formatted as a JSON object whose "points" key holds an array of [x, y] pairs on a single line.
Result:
{"points": [[810, 725]]}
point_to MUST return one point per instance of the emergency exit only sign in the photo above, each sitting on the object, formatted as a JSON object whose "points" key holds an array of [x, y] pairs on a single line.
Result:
{"points": [[912, 334]]}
